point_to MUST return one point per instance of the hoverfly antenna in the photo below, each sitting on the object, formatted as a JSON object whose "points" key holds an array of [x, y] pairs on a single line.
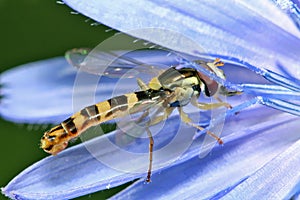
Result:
{"points": [[218, 63]]}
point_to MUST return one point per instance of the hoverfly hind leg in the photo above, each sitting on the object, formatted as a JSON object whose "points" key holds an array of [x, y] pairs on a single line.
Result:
{"points": [[227, 105], [209, 106], [154, 121], [151, 143]]}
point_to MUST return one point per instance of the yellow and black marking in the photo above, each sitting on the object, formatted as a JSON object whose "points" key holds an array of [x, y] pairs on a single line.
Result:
{"points": [[57, 138]]}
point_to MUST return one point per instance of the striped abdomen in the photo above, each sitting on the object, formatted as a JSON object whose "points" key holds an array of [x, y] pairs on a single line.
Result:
{"points": [[57, 138]]}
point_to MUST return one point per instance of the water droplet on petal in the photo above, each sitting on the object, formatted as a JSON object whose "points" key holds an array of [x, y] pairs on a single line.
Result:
{"points": [[108, 186]]}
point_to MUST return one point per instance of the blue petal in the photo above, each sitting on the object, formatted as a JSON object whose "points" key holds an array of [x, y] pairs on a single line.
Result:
{"points": [[29, 90], [236, 29], [297, 196], [291, 7], [256, 32], [278, 179], [97, 164], [249, 148]]}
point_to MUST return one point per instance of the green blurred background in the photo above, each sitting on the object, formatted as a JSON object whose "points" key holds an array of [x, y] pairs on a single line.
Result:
{"points": [[33, 30]]}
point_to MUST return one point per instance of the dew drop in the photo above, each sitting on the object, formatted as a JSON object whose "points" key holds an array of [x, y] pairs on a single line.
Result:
{"points": [[60, 2], [108, 186]]}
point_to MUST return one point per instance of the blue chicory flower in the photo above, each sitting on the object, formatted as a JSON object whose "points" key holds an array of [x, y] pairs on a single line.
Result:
{"points": [[259, 158]]}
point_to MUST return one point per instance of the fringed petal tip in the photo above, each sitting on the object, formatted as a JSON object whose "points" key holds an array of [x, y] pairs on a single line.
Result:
{"points": [[36, 85], [11, 194]]}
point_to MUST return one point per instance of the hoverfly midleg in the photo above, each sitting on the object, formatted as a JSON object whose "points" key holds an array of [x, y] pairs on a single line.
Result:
{"points": [[173, 88]]}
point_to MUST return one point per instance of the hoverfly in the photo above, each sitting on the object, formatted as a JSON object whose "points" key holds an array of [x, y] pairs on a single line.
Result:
{"points": [[172, 89]]}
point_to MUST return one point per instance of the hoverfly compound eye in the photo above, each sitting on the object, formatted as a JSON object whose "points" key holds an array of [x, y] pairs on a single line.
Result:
{"points": [[210, 86]]}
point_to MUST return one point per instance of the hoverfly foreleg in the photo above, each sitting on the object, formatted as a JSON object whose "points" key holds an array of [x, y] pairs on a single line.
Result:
{"points": [[185, 118], [209, 106], [220, 101], [151, 143]]}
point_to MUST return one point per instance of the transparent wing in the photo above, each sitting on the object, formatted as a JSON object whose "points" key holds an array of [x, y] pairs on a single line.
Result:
{"points": [[133, 127], [126, 64]]}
